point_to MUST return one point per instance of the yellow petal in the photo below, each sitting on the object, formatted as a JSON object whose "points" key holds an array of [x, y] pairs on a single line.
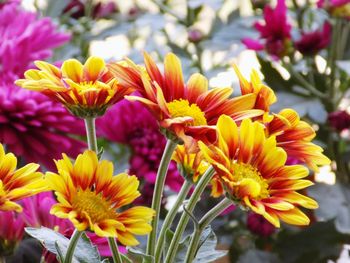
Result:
{"points": [[73, 70]]}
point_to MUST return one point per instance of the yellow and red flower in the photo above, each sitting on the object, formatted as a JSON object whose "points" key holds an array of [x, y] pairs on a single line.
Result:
{"points": [[89, 195], [17, 184], [295, 136], [252, 169], [183, 109], [86, 90]]}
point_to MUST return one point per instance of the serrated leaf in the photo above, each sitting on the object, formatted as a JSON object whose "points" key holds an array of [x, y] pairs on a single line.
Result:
{"points": [[207, 247], [56, 243]]}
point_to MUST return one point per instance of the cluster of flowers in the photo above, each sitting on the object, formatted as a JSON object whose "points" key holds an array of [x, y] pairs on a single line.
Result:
{"points": [[242, 145], [276, 31]]}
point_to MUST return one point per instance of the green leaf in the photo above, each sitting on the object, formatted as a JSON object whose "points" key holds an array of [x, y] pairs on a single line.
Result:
{"points": [[183, 246], [56, 243], [207, 247], [139, 256]]}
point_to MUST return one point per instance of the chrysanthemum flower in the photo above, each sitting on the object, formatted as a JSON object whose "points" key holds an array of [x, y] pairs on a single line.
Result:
{"points": [[183, 109], [140, 132], [17, 184], [253, 171], [89, 195], [295, 136], [86, 90], [265, 96], [36, 128]]}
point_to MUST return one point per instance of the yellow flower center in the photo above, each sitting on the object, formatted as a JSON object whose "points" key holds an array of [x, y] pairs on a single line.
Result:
{"points": [[182, 108], [88, 86], [93, 205], [249, 178]]}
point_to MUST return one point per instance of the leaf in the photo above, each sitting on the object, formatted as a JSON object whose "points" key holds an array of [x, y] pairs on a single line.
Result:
{"points": [[183, 246], [56, 243], [55, 8], [139, 256], [207, 247], [257, 256], [334, 202]]}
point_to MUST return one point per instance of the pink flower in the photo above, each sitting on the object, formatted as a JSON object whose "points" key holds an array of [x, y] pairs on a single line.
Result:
{"points": [[25, 40], [312, 42], [11, 231], [258, 225], [339, 120], [275, 32], [36, 128], [132, 124]]}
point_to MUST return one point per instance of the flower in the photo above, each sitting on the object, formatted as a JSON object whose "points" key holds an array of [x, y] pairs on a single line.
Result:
{"points": [[88, 195], [311, 43], [141, 133], [11, 231], [182, 110], [86, 90], [25, 40], [337, 8], [253, 171], [17, 184], [295, 136], [258, 225], [35, 128], [76, 9], [339, 120], [275, 32]]}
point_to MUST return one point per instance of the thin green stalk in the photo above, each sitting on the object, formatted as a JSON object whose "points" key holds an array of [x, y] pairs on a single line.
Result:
{"points": [[158, 193], [174, 245], [203, 223], [170, 218], [91, 134], [115, 252], [72, 244]]}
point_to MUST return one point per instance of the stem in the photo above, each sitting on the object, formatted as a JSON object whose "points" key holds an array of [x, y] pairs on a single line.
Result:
{"points": [[170, 218], [114, 248], [203, 223], [174, 245], [91, 133], [72, 244], [158, 193]]}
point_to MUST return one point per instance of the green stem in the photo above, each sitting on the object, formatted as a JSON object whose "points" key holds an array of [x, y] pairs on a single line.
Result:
{"points": [[72, 244], [115, 252], [91, 134], [170, 218], [158, 193], [203, 223], [174, 245]]}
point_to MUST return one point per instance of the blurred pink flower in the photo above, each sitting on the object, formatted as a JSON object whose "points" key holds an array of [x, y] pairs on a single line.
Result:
{"points": [[11, 231], [312, 42], [25, 40], [339, 120], [275, 32], [337, 8], [36, 128], [132, 124], [258, 225]]}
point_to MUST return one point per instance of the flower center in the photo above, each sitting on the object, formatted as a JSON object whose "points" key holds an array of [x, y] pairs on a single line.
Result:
{"points": [[250, 182], [87, 86], [92, 205], [182, 108]]}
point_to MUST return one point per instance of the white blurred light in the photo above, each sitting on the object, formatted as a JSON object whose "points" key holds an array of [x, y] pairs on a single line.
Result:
{"points": [[115, 47], [325, 175]]}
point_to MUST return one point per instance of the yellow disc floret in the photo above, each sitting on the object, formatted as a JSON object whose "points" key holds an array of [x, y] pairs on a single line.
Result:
{"points": [[182, 108]]}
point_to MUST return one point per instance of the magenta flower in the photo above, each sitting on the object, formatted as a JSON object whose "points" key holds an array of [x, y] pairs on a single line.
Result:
{"points": [[130, 123], [11, 231], [258, 225], [312, 42], [35, 128], [275, 32], [339, 120], [25, 40]]}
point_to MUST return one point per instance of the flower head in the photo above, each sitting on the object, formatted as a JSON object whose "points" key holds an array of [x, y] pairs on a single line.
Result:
{"points": [[36, 128], [89, 195], [275, 32], [339, 120], [11, 231], [258, 225], [141, 133], [253, 171], [312, 42], [183, 110], [17, 184], [25, 40], [86, 90], [295, 136]]}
